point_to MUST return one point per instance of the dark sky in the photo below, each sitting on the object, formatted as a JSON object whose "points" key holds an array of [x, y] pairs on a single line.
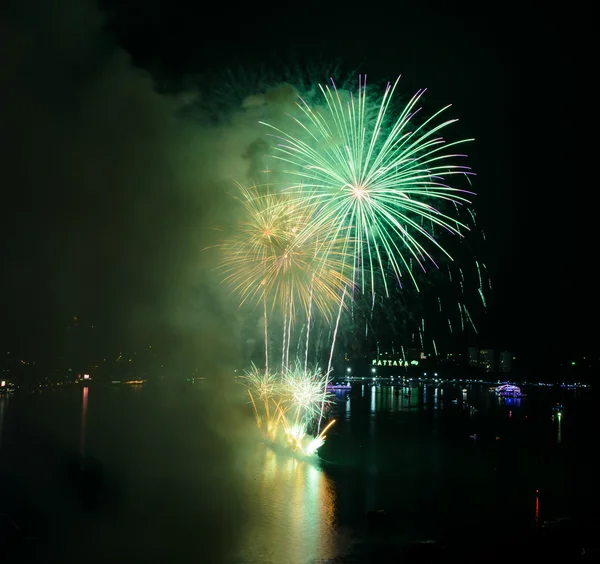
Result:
{"points": [[93, 156]]}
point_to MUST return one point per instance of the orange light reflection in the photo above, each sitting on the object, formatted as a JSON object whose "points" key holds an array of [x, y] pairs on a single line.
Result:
{"points": [[297, 510], [84, 407]]}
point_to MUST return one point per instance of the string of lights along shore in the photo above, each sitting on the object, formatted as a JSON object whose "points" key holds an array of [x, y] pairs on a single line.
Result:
{"points": [[362, 195]]}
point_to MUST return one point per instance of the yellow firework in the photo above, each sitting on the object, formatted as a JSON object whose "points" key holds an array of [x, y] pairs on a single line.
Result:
{"points": [[286, 403], [281, 255]]}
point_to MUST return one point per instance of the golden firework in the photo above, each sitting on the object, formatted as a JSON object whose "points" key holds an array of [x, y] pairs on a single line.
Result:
{"points": [[279, 254]]}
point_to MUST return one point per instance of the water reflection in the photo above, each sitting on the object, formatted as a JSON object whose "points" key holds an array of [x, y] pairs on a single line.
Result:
{"points": [[512, 402], [558, 419], [296, 510], [83, 424], [416, 466], [373, 399], [560, 427], [390, 398], [3, 402]]}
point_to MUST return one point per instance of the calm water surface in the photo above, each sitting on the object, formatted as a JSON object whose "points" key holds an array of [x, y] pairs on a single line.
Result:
{"points": [[181, 474]]}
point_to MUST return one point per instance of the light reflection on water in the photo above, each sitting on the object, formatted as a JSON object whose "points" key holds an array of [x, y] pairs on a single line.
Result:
{"points": [[403, 449], [83, 425], [388, 398], [512, 402], [559, 437], [557, 418], [296, 510], [3, 402]]}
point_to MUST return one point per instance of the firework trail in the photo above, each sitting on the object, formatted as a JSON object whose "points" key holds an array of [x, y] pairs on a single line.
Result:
{"points": [[364, 199], [287, 403], [276, 258]]}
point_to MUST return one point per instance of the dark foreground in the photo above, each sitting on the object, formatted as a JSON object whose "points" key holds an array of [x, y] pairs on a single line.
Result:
{"points": [[162, 476]]}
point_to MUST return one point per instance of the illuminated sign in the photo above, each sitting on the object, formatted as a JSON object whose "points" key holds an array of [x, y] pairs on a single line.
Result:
{"points": [[3, 383], [376, 362], [388, 363]]}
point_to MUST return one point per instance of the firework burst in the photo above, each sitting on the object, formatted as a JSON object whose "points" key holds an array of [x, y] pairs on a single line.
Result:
{"points": [[381, 179], [364, 196], [287, 404], [278, 253]]}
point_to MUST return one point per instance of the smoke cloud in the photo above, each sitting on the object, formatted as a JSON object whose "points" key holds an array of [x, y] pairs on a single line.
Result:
{"points": [[110, 197]]}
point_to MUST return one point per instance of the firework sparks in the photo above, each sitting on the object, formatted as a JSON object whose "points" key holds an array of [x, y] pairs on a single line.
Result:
{"points": [[375, 176], [306, 390], [365, 196], [287, 404], [278, 254]]}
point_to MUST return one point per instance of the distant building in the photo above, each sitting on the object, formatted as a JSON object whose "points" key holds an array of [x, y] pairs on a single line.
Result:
{"points": [[414, 354], [486, 359], [481, 358], [473, 354], [505, 364]]}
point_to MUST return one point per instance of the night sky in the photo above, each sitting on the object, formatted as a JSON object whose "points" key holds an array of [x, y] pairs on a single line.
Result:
{"points": [[107, 198]]}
